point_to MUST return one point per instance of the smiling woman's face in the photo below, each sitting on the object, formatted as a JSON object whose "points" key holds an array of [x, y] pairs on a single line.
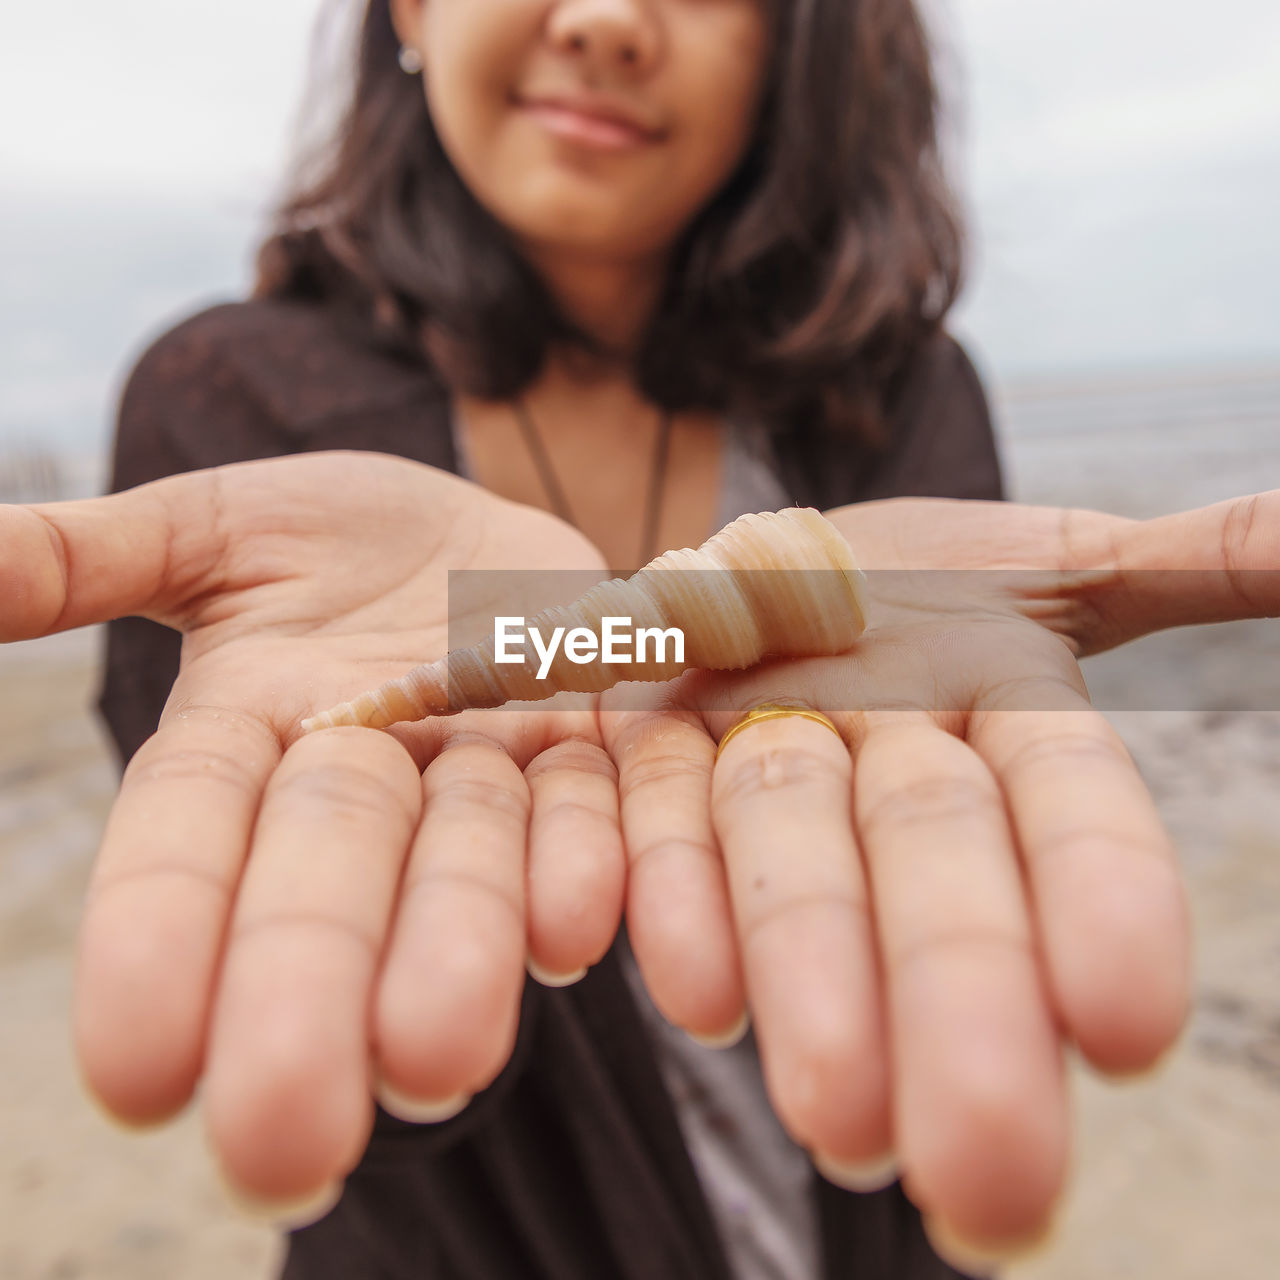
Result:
{"points": [[508, 83]]}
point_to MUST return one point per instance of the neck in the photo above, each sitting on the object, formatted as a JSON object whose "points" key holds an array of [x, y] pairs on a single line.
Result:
{"points": [[612, 301], [574, 385]]}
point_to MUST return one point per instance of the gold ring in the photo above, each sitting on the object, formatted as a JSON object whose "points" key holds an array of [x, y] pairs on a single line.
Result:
{"points": [[775, 711]]}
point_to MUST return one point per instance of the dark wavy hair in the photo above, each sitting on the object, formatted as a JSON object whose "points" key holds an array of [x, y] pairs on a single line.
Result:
{"points": [[799, 292]]}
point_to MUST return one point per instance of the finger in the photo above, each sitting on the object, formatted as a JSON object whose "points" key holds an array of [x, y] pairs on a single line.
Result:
{"points": [[980, 1107], [523, 730], [678, 918], [577, 866], [288, 1093], [781, 802], [162, 549], [1238, 535], [1110, 907], [1214, 564], [66, 564], [158, 906], [449, 996]]}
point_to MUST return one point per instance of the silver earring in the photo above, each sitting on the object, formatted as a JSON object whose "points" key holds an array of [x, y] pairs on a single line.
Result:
{"points": [[410, 60]]}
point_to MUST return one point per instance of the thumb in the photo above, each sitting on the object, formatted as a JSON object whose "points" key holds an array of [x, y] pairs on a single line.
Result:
{"points": [[145, 551], [1214, 564]]}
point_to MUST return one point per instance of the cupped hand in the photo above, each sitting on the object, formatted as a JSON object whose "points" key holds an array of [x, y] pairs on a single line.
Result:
{"points": [[920, 910], [305, 921]]}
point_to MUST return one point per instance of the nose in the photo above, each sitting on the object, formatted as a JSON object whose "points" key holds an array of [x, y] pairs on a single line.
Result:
{"points": [[611, 32]]}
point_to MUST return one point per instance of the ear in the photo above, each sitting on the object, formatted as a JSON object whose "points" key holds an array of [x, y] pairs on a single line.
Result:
{"points": [[406, 17]]}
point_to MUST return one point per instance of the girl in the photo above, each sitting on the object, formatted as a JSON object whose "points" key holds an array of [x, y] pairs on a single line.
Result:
{"points": [[646, 264]]}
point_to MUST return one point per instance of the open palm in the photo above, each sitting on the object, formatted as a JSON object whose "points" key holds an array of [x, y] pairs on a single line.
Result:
{"points": [[980, 872], [264, 906]]}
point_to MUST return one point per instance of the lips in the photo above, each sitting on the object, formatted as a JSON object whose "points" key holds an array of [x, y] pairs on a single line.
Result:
{"points": [[590, 118]]}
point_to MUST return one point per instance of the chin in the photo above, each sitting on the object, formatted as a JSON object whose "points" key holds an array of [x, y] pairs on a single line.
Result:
{"points": [[574, 227]]}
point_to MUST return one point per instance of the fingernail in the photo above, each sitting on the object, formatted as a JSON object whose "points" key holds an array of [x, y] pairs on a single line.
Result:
{"points": [[418, 1110], [132, 1127], [549, 979], [858, 1175], [726, 1039], [1137, 1075], [973, 1255], [289, 1214]]}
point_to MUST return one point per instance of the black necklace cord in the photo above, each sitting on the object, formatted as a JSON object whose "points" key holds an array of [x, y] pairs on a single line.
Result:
{"points": [[555, 490]]}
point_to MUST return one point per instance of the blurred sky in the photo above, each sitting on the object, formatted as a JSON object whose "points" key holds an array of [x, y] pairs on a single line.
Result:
{"points": [[1120, 160]]}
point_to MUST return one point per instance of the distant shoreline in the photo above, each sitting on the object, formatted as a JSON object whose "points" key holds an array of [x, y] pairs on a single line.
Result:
{"points": [[1140, 379]]}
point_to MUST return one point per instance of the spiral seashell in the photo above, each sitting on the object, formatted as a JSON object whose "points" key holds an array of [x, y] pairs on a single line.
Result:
{"points": [[776, 585]]}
